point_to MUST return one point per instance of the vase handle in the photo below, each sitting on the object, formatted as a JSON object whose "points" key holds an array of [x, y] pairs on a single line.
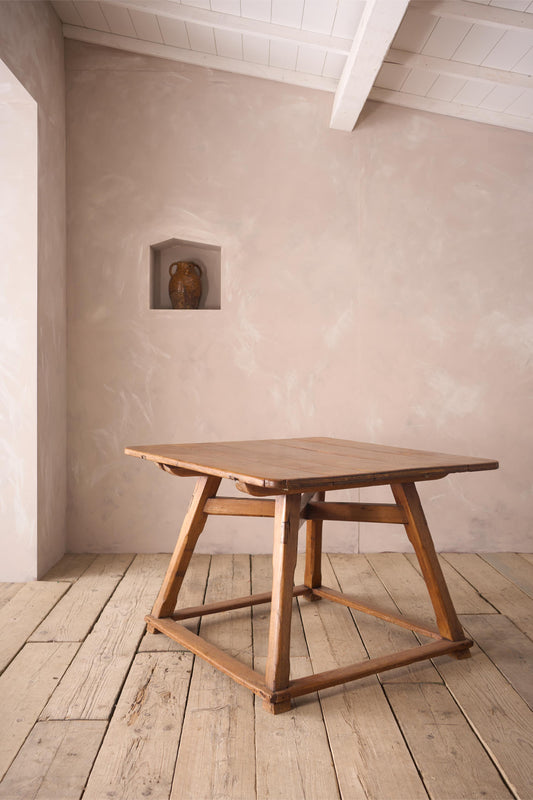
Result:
{"points": [[174, 264], [198, 268]]}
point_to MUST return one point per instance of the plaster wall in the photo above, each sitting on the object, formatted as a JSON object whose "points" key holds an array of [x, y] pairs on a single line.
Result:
{"points": [[31, 45], [375, 286], [18, 330]]}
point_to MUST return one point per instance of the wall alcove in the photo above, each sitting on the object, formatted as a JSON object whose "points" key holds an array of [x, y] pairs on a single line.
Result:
{"points": [[208, 258]]}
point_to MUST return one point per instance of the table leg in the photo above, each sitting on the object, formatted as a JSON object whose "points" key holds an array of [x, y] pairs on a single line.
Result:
{"points": [[285, 551], [419, 535], [193, 525], [313, 552]]}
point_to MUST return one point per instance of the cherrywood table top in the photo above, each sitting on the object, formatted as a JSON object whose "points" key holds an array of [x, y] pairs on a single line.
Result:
{"points": [[291, 465]]}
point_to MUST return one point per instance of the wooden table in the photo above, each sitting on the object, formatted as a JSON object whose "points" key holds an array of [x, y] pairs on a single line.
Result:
{"points": [[287, 479]]}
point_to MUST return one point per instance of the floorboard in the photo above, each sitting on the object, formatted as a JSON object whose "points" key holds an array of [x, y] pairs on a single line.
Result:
{"points": [[95, 708], [357, 578], [20, 615], [509, 649], [501, 719], [466, 599], [435, 729], [70, 567], [514, 567], [405, 585], [74, 615], [362, 730], [138, 753], [298, 738], [25, 686], [502, 593], [56, 757], [91, 684], [192, 594], [7, 591], [216, 753]]}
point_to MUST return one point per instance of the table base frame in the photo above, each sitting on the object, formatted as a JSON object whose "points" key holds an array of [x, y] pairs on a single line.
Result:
{"points": [[289, 512]]}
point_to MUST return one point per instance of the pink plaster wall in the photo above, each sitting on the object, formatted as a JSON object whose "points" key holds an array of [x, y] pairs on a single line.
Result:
{"points": [[31, 45], [18, 330], [375, 285]]}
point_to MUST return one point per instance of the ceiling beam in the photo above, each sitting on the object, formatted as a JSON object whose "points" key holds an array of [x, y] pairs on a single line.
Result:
{"points": [[200, 59], [459, 69], [452, 109], [379, 23], [236, 24], [476, 13]]}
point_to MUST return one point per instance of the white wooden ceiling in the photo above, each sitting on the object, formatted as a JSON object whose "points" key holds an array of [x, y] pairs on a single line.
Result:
{"points": [[463, 58]]}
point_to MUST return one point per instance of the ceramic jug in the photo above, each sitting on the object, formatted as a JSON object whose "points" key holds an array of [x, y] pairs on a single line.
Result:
{"points": [[185, 285]]}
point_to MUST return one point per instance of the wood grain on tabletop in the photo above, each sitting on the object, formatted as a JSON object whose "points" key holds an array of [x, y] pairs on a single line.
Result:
{"points": [[289, 462]]}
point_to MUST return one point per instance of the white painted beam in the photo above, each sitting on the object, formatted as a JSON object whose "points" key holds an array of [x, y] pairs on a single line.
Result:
{"points": [[200, 59], [459, 69], [452, 109], [236, 24], [379, 23], [476, 13]]}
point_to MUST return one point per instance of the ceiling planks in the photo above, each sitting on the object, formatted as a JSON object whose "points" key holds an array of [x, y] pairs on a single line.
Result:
{"points": [[472, 59], [472, 12], [477, 114], [443, 66], [188, 56], [231, 22], [466, 59]]}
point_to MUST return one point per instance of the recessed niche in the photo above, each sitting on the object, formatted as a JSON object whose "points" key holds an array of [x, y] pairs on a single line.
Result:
{"points": [[164, 254]]}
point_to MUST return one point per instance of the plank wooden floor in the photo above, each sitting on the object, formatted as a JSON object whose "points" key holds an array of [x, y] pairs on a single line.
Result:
{"points": [[92, 706]]}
